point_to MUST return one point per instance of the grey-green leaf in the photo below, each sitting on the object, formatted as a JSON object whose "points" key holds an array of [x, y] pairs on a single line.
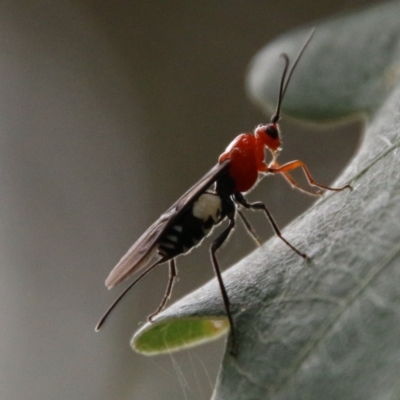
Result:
{"points": [[330, 328], [350, 66]]}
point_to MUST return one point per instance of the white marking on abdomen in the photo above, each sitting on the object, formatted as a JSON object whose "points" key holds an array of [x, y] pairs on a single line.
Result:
{"points": [[207, 205]]}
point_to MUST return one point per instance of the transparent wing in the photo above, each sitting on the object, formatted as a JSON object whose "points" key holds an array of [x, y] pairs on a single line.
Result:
{"points": [[144, 249]]}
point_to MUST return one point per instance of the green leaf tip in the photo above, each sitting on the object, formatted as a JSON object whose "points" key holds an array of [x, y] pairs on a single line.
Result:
{"points": [[177, 334]]}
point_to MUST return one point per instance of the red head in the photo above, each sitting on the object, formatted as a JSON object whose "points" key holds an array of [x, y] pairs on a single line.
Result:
{"points": [[269, 136]]}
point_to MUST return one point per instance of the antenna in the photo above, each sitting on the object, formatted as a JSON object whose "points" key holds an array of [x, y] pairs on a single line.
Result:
{"points": [[284, 83], [282, 87]]}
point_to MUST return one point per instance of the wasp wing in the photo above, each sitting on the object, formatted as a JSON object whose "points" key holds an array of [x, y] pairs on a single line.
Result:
{"points": [[145, 247]]}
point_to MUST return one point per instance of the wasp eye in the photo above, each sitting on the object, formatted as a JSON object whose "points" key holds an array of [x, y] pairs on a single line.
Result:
{"points": [[272, 131]]}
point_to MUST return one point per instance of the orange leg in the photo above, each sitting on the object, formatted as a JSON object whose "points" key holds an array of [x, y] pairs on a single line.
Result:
{"points": [[291, 180], [290, 166], [274, 165]]}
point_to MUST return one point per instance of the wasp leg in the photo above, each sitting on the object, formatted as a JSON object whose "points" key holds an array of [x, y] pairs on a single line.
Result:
{"points": [[172, 276], [290, 166], [261, 206], [249, 228], [292, 181], [217, 243]]}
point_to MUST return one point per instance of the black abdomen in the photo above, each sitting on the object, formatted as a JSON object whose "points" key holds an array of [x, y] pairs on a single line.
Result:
{"points": [[192, 226]]}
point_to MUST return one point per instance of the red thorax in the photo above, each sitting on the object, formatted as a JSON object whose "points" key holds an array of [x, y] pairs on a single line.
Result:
{"points": [[246, 155]]}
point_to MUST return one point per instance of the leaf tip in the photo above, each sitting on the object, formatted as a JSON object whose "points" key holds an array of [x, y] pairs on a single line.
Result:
{"points": [[177, 334]]}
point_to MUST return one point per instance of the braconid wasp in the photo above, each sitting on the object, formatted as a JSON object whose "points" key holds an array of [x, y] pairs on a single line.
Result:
{"points": [[216, 197]]}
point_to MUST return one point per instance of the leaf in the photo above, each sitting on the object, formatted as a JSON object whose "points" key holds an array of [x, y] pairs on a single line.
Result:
{"points": [[350, 66], [328, 327]]}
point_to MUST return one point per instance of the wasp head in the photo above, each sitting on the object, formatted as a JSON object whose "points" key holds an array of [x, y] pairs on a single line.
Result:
{"points": [[269, 135]]}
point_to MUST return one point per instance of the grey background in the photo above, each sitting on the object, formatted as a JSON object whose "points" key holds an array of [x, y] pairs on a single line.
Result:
{"points": [[108, 112]]}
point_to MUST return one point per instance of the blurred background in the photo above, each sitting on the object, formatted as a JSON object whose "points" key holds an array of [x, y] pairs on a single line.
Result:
{"points": [[109, 111]]}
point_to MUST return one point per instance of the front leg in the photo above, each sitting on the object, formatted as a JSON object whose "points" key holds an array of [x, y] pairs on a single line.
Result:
{"points": [[290, 166]]}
